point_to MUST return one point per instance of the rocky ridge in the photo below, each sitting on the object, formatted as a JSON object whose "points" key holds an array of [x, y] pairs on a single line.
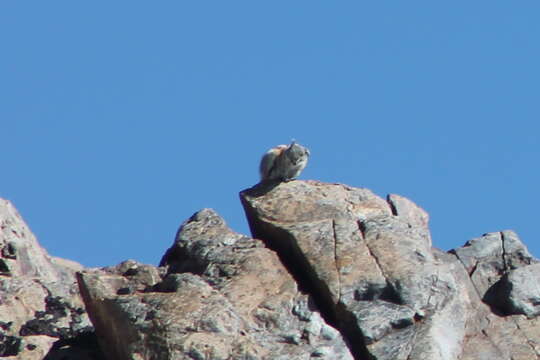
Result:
{"points": [[330, 272], [41, 311]]}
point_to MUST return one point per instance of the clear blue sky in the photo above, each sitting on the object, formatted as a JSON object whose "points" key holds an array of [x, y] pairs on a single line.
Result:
{"points": [[121, 119]]}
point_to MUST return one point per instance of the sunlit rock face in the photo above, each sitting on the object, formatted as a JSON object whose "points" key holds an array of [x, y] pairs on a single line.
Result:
{"points": [[40, 307], [329, 272]]}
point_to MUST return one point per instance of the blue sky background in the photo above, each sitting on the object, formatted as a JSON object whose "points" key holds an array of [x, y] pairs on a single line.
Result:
{"points": [[121, 119]]}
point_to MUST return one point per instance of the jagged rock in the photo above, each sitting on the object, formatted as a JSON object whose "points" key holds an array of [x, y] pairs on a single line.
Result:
{"points": [[491, 331], [518, 291], [39, 301], [371, 267], [223, 296], [338, 273], [490, 256]]}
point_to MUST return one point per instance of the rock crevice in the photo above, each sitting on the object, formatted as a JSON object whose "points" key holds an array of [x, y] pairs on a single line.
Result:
{"points": [[336, 259], [329, 272]]}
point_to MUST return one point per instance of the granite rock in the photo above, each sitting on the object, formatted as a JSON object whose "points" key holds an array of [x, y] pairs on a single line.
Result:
{"points": [[41, 312], [518, 291], [370, 265], [329, 272], [490, 256], [220, 295]]}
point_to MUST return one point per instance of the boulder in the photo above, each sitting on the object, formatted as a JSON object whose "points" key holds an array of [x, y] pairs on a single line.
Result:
{"points": [[518, 291], [489, 257], [330, 272], [369, 264], [217, 295], [41, 313]]}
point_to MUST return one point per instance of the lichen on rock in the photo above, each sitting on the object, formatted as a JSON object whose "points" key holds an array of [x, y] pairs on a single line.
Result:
{"points": [[329, 272]]}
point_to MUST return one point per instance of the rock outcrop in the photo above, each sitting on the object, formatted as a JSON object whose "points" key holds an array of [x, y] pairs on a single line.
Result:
{"points": [[218, 295], [41, 312], [371, 264], [330, 272]]}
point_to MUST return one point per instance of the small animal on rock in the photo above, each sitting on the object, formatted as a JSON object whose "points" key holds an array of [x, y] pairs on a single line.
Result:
{"points": [[283, 162]]}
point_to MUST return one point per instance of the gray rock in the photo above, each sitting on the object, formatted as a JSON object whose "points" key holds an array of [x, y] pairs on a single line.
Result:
{"points": [[410, 213], [222, 296], [490, 256], [379, 318], [369, 261], [40, 309], [491, 331], [519, 291], [338, 273]]}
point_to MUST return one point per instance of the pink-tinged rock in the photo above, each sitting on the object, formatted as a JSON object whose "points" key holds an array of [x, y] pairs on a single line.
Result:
{"points": [[369, 263], [222, 296], [39, 301]]}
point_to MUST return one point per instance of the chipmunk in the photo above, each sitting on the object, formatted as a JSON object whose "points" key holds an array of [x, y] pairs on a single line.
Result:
{"points": [[283, 162]]}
